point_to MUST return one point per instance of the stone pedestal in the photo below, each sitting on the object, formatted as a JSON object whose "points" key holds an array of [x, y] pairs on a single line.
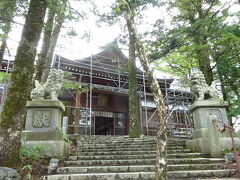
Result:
{"points": [[43, 125], [202, 109], [206, 138]]}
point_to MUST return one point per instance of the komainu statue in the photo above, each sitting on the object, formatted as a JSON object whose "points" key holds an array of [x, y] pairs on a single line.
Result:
{"points": [[200, 88], [51, 88]]}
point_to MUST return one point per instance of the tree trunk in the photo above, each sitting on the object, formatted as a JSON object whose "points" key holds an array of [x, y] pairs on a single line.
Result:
{"points": [[200, 39], [10, 9], [54, 38], [41, 63], [204, 60], [134, 124], [222, 83], [20, 87], [2, 49], [161, 164]]}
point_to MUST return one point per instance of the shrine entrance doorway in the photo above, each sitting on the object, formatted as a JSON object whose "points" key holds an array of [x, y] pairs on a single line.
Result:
{"points": [[104, 125]]}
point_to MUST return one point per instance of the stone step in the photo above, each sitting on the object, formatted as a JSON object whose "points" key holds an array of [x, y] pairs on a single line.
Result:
{"points": [[97, 144], [114, 144], [123, 140], [129, 152], [121, 145], [117, 146], [124, 144], [116, 140], [97, 137], [144, 175], [202, 173], [113, 153], [142, 162], [112, 137], [147, 148], [202, 178], [143, 168], [170, 151], [141, 156], [127, 142], [121, 158], [100, 138]]}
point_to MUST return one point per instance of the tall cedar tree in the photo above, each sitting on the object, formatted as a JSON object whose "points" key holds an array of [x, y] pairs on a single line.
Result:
{"points": [[6, 21], [134, 121], [60, 16], [195, 25], [161, 165], [21, 84], [209, 21], [45, 44], [133, 99]]}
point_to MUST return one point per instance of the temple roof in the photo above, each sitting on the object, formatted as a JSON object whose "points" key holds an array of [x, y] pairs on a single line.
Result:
{"points": [[110, 61], [111, 55]]}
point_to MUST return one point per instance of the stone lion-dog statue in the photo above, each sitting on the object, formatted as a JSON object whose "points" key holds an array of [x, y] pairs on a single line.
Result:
{"points": [[200, 88], [51, 88]]}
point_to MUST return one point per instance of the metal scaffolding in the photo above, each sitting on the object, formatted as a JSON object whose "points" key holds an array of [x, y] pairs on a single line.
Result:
{"points": [[176, 101]]}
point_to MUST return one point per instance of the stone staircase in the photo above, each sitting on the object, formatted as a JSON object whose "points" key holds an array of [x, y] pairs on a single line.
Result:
{"points": [[121, 158]]}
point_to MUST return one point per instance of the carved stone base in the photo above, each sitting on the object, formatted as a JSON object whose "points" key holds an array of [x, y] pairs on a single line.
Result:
{"points": [[44, 115], [50, 148], [202, 109], [200, 142], [203, 145], [43, 127], [206, 138]]}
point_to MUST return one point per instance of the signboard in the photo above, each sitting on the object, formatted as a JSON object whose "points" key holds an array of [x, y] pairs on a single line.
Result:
{"points": [[103, 114]]}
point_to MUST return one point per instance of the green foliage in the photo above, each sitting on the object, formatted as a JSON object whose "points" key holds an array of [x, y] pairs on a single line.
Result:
{"points": [[8, 10], [33, 153], [191, 26], [27, 168], [234, 108], [70, 82], [238, 133], [4, 77], [72, 33], [178, 63], [226, 56], [119, 7], [57, 7], [6, 18], [65, 137], [199, 34]]}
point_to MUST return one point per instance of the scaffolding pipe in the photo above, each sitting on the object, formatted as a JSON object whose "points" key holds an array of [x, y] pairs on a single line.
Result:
{"points": [[145, 100], [86, 114], [90, 104], [59, 58], [8, 65], [152, 116], [119, 78]]}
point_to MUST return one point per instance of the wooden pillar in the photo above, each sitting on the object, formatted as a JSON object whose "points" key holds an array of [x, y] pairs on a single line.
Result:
{"points": [[77, 112], [140, 115]]}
